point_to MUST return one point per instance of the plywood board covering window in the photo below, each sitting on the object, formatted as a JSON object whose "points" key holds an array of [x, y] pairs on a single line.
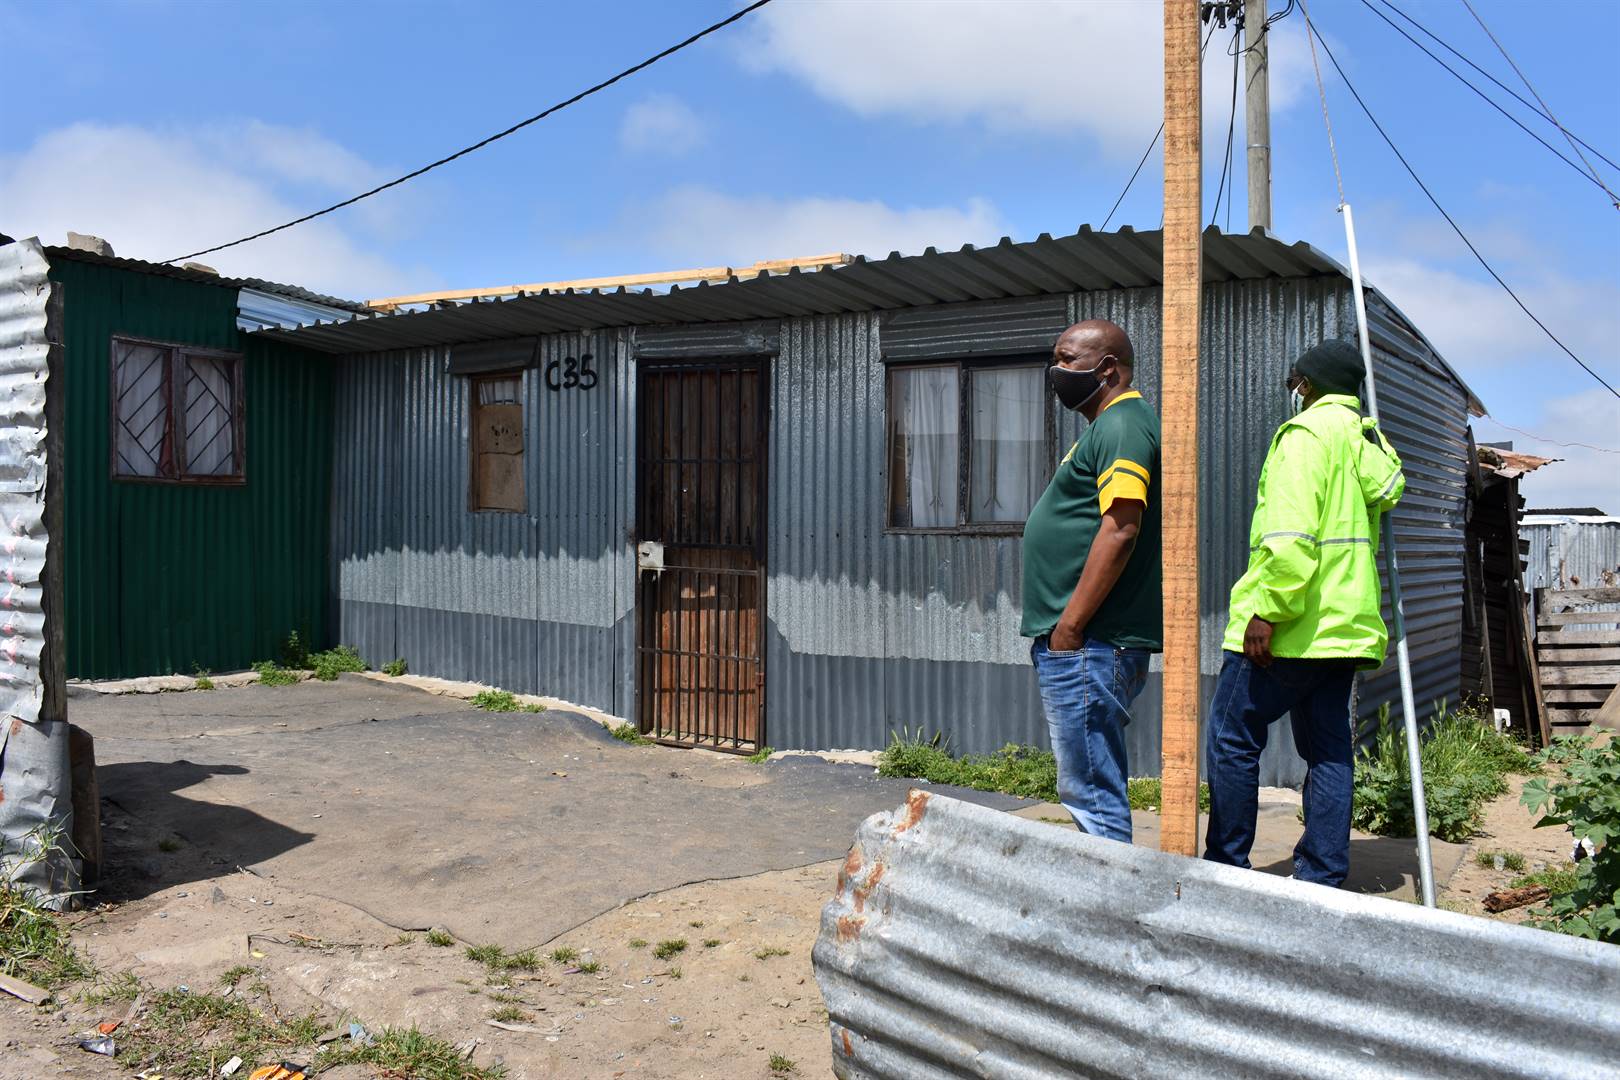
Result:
{"points": [[176, 413], [969, 445], [497, 444]]}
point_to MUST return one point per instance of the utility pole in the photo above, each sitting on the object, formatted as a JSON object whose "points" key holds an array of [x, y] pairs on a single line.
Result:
{"points": [[1178, 407], [1257, 112]]}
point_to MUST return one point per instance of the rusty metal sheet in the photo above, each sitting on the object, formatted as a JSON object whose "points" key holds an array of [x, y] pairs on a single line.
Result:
{"points": [[964, 942]]}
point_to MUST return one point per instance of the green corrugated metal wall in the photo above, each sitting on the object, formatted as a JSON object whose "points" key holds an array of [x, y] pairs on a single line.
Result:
{"points": [[165, 578]]}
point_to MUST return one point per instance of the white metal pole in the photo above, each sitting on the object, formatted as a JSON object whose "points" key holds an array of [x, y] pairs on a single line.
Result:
{"points": [[1403, 656]]}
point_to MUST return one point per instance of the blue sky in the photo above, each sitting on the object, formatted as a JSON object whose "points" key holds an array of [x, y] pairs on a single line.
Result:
{"points": [[168, 126]]}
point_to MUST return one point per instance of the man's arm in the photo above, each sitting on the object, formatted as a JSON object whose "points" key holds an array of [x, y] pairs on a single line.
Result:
{"points": [[1291, 513], [1110, 551]]}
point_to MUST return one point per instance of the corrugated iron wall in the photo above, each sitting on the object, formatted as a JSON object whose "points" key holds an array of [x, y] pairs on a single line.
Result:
{"points": [[1571, 552], [162, 577], [534, 602], [869, 632]]}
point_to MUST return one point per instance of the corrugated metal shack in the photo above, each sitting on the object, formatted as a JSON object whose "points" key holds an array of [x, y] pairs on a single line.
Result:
{"points": [[199, 463], [808, 584], [1571, 551]]}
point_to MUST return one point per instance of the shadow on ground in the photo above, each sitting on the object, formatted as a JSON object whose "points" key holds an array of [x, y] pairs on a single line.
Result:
{"points": [[422, 812]]}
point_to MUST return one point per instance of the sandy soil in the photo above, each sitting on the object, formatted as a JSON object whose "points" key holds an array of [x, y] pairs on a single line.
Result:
{"points": [[1508, 827]]}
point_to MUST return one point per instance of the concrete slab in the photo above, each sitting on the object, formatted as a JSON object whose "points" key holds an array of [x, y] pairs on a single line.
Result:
{"points": [[421, 811]]}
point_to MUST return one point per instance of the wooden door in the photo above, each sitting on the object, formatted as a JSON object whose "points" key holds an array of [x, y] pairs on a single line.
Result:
{"points": [[700, 670]]}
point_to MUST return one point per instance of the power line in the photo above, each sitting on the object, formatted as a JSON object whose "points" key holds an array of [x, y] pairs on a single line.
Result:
{"points": [[1551, 442], [519, 126], [1231, 126], [1499, 83], [1146, 153], [1584, 174], [1314, 34], [1542, 101]]}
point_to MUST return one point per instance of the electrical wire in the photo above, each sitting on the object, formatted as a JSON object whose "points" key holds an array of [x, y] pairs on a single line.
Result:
{"points": [[519, 126], [1551, 442], [1499, 83], [1545, 108], [1151, 144], [1315, 35], [1585, 174], [1231, 126]]}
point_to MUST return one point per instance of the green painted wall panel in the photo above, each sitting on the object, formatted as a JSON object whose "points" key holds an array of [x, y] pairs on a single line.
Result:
{"points": [[163, 578]]}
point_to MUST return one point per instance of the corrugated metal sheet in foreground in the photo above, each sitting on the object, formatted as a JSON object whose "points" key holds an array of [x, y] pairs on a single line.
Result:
{"points": [[967, 942]]}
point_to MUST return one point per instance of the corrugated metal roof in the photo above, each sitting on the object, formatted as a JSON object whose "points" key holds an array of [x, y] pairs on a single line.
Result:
{"points": [[292, 292], [1085, 262]]}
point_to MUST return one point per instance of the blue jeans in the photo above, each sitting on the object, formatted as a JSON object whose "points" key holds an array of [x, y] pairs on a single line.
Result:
{"points": [[1316, 695], [1087, 695]]}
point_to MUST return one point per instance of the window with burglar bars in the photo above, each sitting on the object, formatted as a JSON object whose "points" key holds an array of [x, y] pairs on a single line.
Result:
{"points": [[176, 413], [969, 445], [497, 444]]}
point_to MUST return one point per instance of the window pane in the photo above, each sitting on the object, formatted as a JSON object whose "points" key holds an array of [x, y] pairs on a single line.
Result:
{"points": [[210, 408], [1007, 461], [141, 430], [923, 447], [498, 391]]}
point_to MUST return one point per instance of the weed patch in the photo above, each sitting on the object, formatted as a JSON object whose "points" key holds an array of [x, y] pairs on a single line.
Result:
{"points": [[203, 683], [395, 667], [638, 943], [488, 955], [1557, 879], [273, 674], [564, 954], [589, 967], [667, 949], [440, 939], [330, 664], [768, 952], [1147, 793], [502, 701], [1587, 799], [782, 1066], [408, 1052], [1465, 763], [509, 1014], [34, 945], [294, 653], [711, 943], [188, 1033], [627, 733], [760, 756], [1511, 860]]}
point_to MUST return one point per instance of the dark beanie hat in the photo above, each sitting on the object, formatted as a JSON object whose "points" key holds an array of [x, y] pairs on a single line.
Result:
{"points": [[1334, 367]]}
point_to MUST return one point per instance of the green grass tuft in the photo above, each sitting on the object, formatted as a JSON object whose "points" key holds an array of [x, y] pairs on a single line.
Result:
{"points": [[34, 945], [638, 943], [407, 1052], [564, 954], [781, 1065], [440, 938], [502, 701], [672, 947], [711, 943], [589, 967], [273, 674], [768, 952], [509, 1014], [760, 756], [627, 733], [395, 667], [1558, 879], [489, 955]]}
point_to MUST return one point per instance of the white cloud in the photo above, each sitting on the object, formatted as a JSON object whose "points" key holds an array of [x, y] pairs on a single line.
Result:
{"points": [[661, 124], [159, 194], [1038, 66], [696, 226], [1586, 476]]}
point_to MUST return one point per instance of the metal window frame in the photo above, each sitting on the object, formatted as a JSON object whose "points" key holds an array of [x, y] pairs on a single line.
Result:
{"points": [[473, 491], [965, 366], [175, 355]]}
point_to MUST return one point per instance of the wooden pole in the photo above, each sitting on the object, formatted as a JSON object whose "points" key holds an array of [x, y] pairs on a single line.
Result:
{"points": [[1178, 408]]}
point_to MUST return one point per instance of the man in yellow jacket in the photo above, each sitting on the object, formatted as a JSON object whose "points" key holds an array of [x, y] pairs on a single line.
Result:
{"points": [[1305, 615]]}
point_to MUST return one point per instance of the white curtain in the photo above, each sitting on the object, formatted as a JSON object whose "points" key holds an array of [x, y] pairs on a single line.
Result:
{"points": [[923, 421], [1007, 461], [140, 435], [210, 416]]}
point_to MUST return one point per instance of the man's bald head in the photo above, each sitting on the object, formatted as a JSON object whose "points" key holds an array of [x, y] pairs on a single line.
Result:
{"points": [[1086, 344]]}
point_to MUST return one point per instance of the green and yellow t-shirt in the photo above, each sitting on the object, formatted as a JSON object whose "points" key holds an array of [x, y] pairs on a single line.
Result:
{"points": [[1117, 457]]}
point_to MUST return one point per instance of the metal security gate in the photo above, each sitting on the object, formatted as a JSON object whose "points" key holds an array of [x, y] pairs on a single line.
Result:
{"points": [[700, 672]]}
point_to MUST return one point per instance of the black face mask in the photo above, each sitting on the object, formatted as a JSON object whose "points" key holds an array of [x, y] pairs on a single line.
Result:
{"points": [[1074, 388]]}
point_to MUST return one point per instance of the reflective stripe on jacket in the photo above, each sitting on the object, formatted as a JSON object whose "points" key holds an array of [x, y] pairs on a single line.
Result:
{"points": [[1313, 572]]}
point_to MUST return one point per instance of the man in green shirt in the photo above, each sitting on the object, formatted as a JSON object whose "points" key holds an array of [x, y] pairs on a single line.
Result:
{"points": [[1092, 586]]}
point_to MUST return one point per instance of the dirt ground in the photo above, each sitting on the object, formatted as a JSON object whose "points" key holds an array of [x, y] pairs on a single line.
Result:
{"points": [[313, 834]]}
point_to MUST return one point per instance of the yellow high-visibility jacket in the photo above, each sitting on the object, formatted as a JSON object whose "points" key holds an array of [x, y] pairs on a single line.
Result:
{"points": [[1313, 573]]}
